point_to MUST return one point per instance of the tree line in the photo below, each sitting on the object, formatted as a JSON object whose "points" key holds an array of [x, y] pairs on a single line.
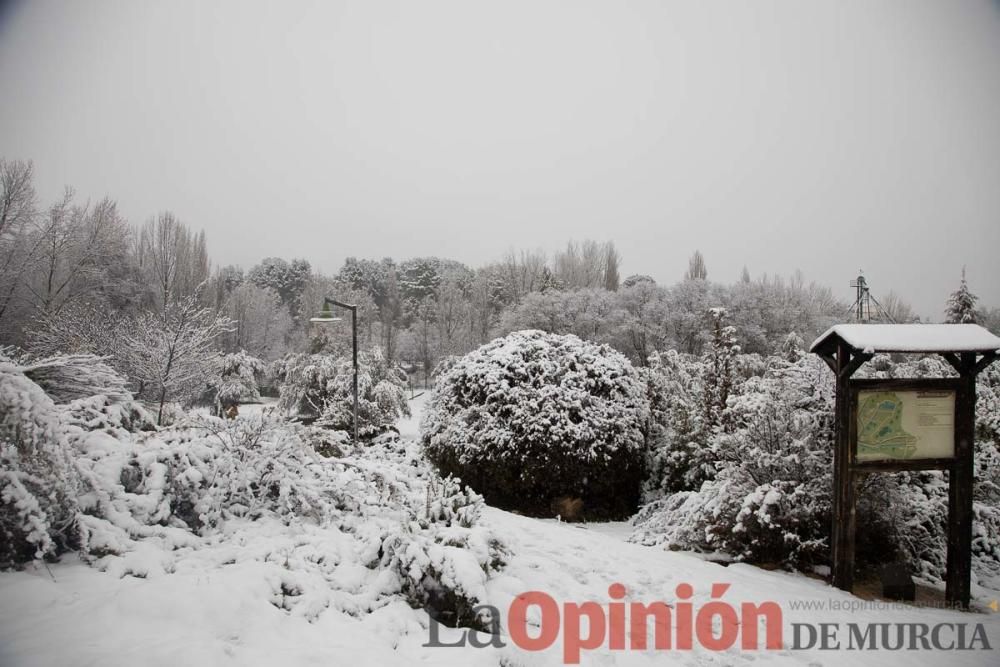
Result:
{"points": [[76, 276]]}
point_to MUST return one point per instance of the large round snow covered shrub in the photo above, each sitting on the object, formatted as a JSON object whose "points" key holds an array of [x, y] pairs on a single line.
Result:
{"points": [[535, 417]]}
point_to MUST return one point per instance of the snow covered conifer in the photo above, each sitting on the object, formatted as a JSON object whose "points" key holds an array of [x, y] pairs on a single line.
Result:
{"points": [[793, 347], [719, 366], [237, 380], [381, 396], [677, 438], [319, 386], [961, 308]]}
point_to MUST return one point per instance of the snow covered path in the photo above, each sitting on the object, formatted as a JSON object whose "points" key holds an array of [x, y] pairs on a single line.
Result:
{"points": [[221, 614], [575, 564], [217, 606]]}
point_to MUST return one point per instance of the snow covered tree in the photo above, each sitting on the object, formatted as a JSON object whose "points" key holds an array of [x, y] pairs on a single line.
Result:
{"points": [[549, 281], [453, 317], [719, 367], [225, 280], [792, 348], [304, 382], [179, 350], [174, 260], [419, 344], [379, 280], [486, 301], [17, 250], [237, 380], [331, 336], [961, 308], [677, 451], [319, 387], [366, 275], [991, 320], [287, 279], [587, 265], [765, 309], [642, 326], [79, 247], [898, 310], [419, 278], [261, 322], [519, 274], [441, 324], [687, 302], [612, 262], [591, 314], [381, 396], [696, 267], [637, 278], [535, 416]]}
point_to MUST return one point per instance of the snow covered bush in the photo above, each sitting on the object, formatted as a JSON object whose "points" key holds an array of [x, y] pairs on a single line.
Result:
{"points": [[355, 528], [43, 402], [766, 491], [65, 378], [534, 416], [442, 561], [319, 387], [39, 483], [988, 406], [420, 537], [768, 497], [209, 471], [86, 328], [100, 413], [451, 503]]}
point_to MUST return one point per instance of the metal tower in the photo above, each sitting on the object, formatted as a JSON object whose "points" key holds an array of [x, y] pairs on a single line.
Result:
{"points": [[862, 306]]}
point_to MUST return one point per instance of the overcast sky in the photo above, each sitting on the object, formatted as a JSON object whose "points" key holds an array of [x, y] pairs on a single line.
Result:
{"points": [[821, 136]]}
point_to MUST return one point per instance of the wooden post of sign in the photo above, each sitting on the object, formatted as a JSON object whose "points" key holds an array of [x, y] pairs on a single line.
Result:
{"points": [[843, 528], [844, 482], [960, 488], [845, 517]]}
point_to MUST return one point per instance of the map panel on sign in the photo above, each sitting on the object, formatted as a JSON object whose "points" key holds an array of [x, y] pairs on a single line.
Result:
{"points": [[901, 425]]}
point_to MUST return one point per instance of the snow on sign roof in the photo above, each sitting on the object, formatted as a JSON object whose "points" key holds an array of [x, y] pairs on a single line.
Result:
{"points": [[911, 338]]}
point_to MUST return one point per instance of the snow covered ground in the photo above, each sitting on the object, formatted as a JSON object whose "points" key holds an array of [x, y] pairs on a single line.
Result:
{"points": [[217, 605]]}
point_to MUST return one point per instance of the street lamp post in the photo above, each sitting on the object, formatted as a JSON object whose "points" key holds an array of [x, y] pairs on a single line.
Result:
{"points": [[327, 301]]}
